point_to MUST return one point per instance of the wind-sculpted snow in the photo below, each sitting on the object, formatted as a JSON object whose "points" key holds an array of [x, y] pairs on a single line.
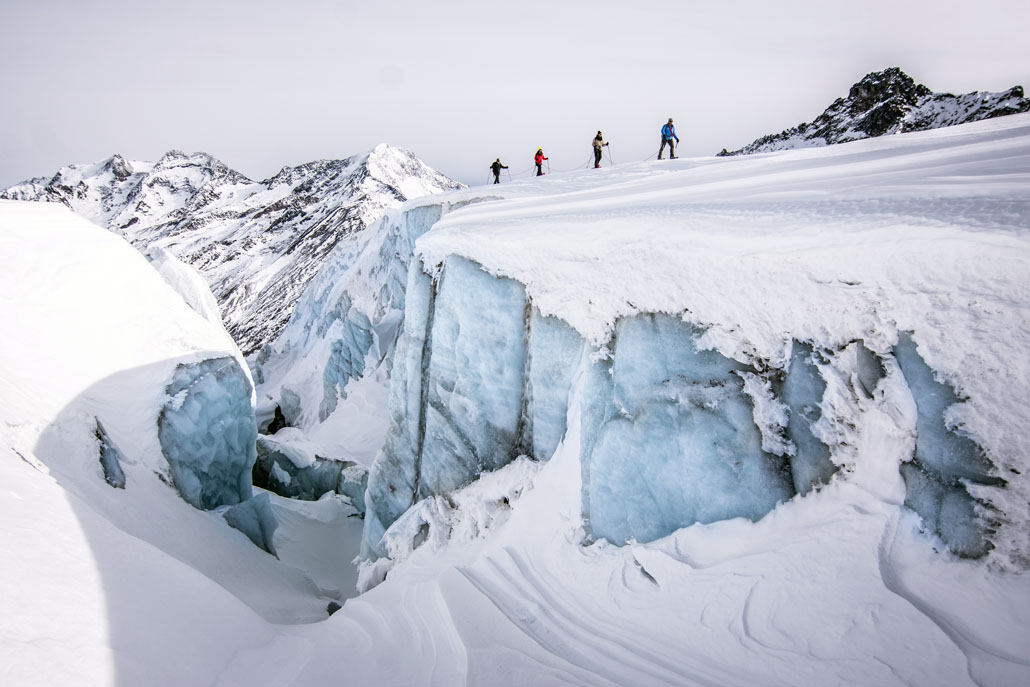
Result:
{"points": [[207, 432]]}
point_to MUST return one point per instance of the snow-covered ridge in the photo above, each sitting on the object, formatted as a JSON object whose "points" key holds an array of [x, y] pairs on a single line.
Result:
{"points": [[889, 102], [755, 256], [256, 243]]}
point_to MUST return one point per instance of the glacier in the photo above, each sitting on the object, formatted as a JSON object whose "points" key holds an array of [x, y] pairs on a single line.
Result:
{"points": [[768, 406]]}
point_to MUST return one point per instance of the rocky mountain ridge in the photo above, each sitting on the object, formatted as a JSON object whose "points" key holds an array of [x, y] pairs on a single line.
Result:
{"points": [[889, 102], [258, 243]]}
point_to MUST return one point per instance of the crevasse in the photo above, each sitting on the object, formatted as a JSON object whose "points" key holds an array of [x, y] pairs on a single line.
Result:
{"points": [[670, 436]]}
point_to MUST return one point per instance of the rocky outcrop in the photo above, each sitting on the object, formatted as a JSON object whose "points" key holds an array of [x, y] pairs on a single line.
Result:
{"points": [[889, 102]]}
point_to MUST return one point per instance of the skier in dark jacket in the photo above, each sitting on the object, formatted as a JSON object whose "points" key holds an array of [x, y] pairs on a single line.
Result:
{"points": [[539, 160], [496, 168], [599, 143], [668, 134]]}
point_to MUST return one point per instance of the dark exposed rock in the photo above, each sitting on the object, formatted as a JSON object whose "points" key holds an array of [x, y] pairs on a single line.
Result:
{"points": [[889, 102]]}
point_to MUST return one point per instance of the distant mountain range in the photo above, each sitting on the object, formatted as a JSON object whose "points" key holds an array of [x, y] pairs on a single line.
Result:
{"points": [[257, 243], [889, 102]]}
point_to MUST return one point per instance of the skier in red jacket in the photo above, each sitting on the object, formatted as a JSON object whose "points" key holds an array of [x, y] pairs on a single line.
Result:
{"points": [[539, 160]]}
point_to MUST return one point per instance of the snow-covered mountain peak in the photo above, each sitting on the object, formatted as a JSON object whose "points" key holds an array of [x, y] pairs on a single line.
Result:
{"points": [[889, 102], [119, 167], [401, 170], [256, 242], [888, 86]]}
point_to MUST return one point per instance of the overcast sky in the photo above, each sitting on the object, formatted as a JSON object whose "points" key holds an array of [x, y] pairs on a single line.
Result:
{"points": [[261, 85]]}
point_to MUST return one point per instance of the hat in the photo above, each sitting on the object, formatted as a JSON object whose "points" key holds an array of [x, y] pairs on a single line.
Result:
{"points": [[670, 120]]}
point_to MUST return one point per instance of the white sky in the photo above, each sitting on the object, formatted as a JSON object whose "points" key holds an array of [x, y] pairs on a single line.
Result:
{"points": [[261, 84]]}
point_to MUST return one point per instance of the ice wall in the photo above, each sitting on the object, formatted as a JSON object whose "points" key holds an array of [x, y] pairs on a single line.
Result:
{"points": [[457, 400], [296, 473], [110, 458], [207, 432], [802, 393], [676, 442], [481, 377], [945, 461], [672, 433], [346, 322]]}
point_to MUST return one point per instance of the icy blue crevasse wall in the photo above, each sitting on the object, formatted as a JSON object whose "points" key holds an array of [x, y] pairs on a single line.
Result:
{"points": [[388, 267], [945, 460], [802, 390], [391, 480], [276, 472], [669, 433], [346, 359], [110, 457], [207, 432], [479, 378], [670, 437], [355, 304]]}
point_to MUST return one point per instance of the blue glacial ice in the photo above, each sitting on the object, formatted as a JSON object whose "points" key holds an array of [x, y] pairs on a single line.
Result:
{"points": [[869, 369], [254, 517], [278, 470], [676, 441], [669, 435], [355, 303], [207, 432], [346, 358], [456, 398], [110, 458], [475, 376], [289, 406], [802, 392], [555, 351], [945, 460], [391, 480], [479, 378]]}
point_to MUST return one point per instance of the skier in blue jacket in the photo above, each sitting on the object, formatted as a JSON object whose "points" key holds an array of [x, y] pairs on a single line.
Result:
{"points": [[668, 134]]}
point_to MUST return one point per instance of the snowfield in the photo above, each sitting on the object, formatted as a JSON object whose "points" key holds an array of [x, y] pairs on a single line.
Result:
{"points": [[911, 251]]}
